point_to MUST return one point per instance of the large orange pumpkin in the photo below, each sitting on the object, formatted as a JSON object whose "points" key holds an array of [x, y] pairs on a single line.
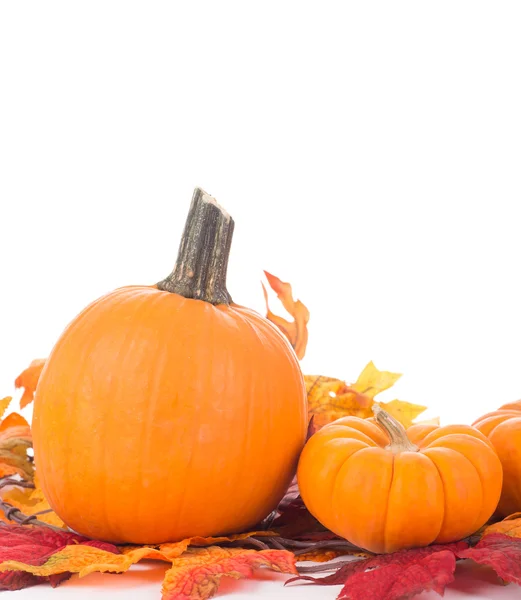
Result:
{"points": [[503, 429], [168, 411], [385, 489]]}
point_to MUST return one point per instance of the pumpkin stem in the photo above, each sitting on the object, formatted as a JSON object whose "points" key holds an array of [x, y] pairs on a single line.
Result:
{"points": [[395, 430], [202, 260]]}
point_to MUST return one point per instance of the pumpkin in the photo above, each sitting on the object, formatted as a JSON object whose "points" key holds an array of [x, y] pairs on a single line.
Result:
{"points": [[385, 489], [168, 411], [503, 429]]}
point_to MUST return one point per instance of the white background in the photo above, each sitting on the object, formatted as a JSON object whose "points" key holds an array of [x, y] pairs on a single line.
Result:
{"points": [[369, 153]]}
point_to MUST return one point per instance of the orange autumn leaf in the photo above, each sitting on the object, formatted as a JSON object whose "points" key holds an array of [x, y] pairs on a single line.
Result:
{"points": [[296, 331], [4, 403], [171, 550], [31, 501], [28, 380], [330, 399], [15, 439], [510, 525], [197, 573]]}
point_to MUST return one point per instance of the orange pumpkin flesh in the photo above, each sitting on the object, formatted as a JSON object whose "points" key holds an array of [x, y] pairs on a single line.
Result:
{"points": [[373, 486], [159, 417], [503, 429]]}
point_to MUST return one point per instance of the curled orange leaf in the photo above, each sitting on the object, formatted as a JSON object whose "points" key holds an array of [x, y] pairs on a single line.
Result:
{"points": [[296, 331], [28, 380], [197, 573]]}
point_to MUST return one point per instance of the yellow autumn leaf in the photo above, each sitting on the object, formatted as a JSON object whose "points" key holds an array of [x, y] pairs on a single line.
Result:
{"points": [[31, 502], [405, 412], [371, 381]]}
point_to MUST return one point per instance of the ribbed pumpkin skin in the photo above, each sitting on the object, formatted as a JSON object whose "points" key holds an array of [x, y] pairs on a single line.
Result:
{"points": [[158, 418], [503, 429], [384, 502]]}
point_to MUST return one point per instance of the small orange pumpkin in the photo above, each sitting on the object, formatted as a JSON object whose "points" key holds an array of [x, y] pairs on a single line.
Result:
{"points": [[385, 489], [503, 429], [168, 411]]}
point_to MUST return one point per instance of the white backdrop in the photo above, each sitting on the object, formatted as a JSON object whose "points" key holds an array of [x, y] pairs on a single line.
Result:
{"points": [[369, 153]]}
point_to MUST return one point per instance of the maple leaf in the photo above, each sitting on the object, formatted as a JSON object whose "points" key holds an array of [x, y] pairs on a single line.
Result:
{"points": [[405, 412], [510, 525], [15, 439], [296, 331], [28, 380], [30, 555], [33, 546], [330, 399], [31, 501], [499, 551], [371, 381], [197, 573]]}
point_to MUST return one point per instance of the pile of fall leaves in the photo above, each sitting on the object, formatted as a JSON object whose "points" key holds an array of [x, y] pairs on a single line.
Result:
{"points": [[36, 547]]}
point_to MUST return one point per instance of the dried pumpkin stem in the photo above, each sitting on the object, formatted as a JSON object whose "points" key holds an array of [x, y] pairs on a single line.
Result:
{"points": [[395, 430], [202, 260]]}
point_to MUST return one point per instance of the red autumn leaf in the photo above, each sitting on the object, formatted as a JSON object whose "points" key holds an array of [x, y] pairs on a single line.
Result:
{"points": [[34, 545], [28, 379], [499, 551], [394, 576], [394, 582]]}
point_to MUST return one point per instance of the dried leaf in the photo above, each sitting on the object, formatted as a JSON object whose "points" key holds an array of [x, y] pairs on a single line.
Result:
{"points": [[394, 582], [510, 525], [501, 552], [15, 439], [31, 547], [403, 560], [167, 552], [371, 381], [4, 403], [197, 573], [31, 555], [28, 380], [406, 573], [32, 501], [403, 411], [296, 331], [329, 399]]}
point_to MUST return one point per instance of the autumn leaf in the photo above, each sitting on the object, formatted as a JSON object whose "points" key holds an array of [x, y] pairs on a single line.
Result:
{"points": [[31, 555], [31, 501], [15, 439], [33, 546], [394, 576], [501, 552], [28, 380], [403, 574], [296, 331], [371, 381], [405, 412], [197, 573], [330, 399], [4, 403], [510, 525]]}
